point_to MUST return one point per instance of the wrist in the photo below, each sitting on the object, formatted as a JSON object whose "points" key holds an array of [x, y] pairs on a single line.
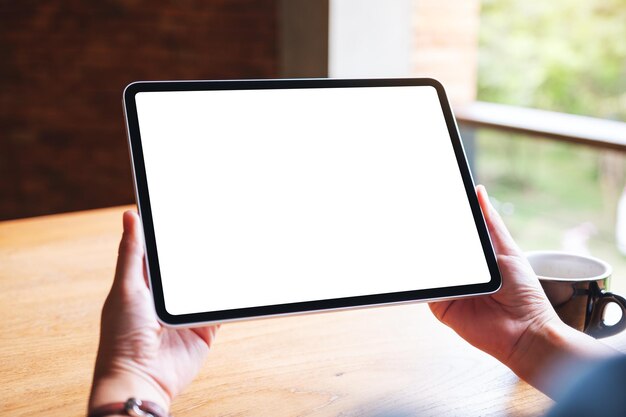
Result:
{"points": [[120, 385], [537, 346], [550, 351]]}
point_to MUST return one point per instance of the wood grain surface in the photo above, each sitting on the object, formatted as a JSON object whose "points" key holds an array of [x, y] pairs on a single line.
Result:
{"points": [[396, 361]]}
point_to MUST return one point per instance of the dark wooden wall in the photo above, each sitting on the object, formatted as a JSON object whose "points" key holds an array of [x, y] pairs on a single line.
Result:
{"points": [[64, 65]]}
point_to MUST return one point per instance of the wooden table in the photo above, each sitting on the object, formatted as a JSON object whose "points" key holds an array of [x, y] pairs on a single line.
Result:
{"points": [[394, 361]]}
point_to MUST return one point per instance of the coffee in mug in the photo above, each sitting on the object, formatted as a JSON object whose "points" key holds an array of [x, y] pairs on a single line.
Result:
{"points": [[577, 287]]}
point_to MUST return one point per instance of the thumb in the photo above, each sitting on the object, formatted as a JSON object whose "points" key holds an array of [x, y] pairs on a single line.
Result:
{"points": [[129, 273], [502, 240]]}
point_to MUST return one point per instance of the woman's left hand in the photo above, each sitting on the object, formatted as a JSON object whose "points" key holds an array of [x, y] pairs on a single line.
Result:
{"points": [[137, 356]]}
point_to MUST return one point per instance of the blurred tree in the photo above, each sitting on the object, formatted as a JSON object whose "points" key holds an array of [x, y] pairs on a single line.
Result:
{"points": [[560, 55]]}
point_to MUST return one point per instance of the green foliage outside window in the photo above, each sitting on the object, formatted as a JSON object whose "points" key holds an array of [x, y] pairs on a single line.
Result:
{"points": [[561, 55], [567, 56]]}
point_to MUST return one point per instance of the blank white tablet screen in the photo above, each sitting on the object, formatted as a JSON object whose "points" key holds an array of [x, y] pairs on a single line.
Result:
{"points": [[273, 196]]}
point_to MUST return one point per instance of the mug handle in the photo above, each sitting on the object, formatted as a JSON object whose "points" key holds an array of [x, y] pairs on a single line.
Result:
{"points": [[597, 328]]}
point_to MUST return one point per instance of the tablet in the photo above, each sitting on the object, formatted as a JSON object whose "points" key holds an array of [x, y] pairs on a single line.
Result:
{"points": [[271, 197]]}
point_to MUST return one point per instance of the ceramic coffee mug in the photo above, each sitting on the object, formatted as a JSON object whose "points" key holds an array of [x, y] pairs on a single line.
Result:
{"points": [[577, 287]]}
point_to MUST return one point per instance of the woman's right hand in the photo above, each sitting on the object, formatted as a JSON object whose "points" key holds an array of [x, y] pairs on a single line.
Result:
{"points": [[517, 325]]}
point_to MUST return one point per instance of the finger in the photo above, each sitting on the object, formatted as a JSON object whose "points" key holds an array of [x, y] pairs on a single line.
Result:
{"points": [[439, 308], [501, 238], [145, 274], [129, 273], [206, 333]]}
